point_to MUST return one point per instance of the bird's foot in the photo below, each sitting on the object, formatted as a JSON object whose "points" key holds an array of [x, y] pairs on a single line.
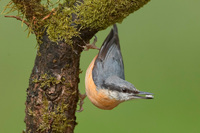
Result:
{"points": [[91, 46], [81, 98]]}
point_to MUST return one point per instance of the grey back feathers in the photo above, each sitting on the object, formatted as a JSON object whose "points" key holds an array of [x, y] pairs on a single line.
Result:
{"points": [[109, 61]]}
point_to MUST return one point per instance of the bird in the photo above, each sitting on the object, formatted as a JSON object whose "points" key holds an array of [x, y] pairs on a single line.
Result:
{"points": [[105, 82]]}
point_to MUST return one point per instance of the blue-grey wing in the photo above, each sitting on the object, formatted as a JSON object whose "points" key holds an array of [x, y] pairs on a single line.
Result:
{"points": [[109, 61]]}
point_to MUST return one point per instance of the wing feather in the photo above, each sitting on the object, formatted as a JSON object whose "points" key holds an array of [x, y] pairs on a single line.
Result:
{"points": [[109, 61]]}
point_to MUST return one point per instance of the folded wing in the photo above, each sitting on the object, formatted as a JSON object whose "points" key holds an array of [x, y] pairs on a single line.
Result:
{"points": [[109, 61]]}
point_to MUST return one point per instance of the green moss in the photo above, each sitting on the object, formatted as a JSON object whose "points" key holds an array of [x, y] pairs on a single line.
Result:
{"points": [[103, 13], [55, 120], [30, 112], [56, 17], [47, 81], [61, 26], [95, 14]]}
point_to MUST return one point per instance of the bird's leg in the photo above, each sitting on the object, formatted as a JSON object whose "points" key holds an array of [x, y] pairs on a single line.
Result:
{"points": [[91, 46], [81, 97]]}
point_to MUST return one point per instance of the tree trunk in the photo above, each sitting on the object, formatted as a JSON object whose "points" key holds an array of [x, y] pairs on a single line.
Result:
{"points": [[52, 95]]}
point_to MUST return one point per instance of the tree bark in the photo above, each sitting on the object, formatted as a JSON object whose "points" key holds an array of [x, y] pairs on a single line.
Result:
{"points": [[52, 95]]}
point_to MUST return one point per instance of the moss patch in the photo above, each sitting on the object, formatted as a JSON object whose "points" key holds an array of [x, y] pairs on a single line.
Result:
{"points": [[55, 120], [95, 14], [62, 26], [99, 14], [46, 81], [64, 19]]}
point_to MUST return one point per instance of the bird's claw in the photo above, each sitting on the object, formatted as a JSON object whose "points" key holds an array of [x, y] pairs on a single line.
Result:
{"points": [[81, 97], [91, 46]]}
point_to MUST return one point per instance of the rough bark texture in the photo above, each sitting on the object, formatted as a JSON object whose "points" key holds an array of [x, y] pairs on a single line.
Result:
{"points": [[52, 95], [54, 80]]}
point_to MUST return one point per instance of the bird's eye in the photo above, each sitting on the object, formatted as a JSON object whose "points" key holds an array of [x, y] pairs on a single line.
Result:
{"points": [[124, 90]]}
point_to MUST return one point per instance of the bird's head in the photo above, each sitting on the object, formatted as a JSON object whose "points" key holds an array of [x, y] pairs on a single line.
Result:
{"points": [[122, 90]]}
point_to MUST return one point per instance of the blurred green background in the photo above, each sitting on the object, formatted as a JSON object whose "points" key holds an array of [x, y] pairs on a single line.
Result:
{"points": [[161, 49]]}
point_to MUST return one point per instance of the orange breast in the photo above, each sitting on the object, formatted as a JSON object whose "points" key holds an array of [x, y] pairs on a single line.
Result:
{"points": [[99, 97]]}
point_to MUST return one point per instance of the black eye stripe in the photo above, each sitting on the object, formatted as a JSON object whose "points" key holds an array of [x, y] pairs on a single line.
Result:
{"points": [[119, 89], [125, 90]]}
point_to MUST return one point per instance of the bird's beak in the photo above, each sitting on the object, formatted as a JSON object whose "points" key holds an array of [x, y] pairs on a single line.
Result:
{"points": [[143, 95]]}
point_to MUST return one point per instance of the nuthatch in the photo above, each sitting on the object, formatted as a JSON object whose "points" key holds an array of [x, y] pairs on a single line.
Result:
{"points": [[105, 82]]}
